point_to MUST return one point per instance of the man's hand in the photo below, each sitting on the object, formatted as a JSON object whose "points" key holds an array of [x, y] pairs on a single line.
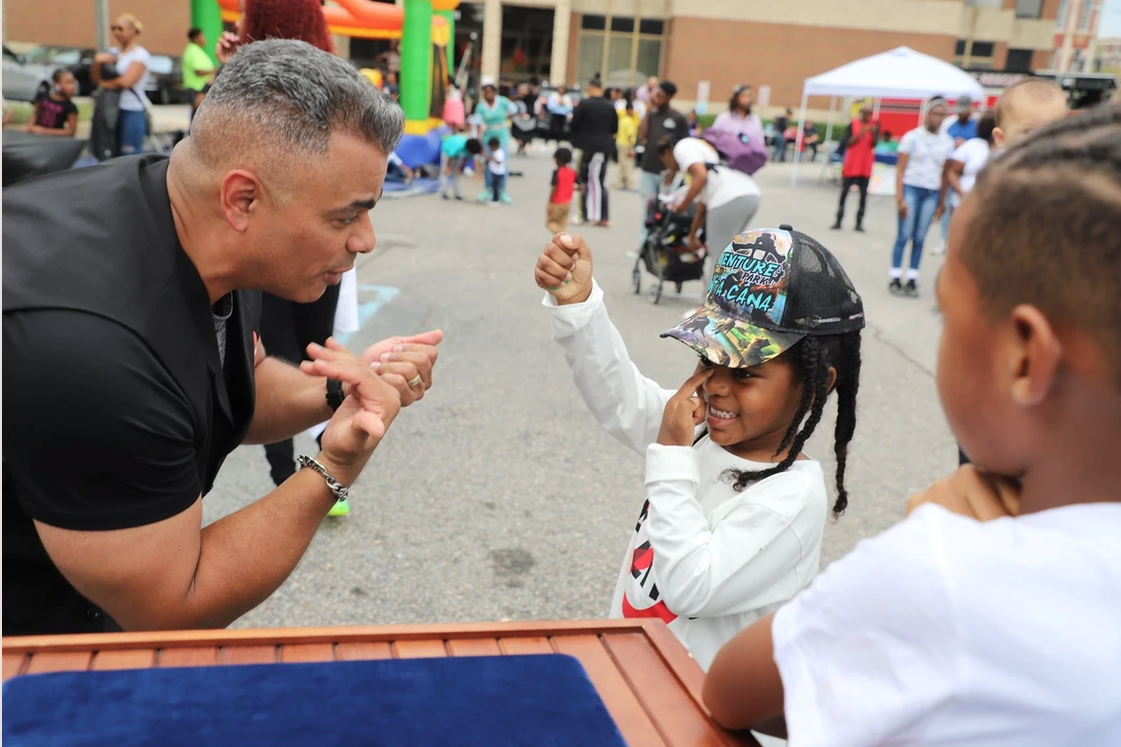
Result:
{"points": [[684, 412], [695, 244], [939, 211], [359, 424], [902, 208], [971, 493], [564, 269], [399, 360]]}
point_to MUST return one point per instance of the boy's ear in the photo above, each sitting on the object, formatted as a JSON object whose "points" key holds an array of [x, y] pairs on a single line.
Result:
{"points": [[998, 137], [1036, 355]]}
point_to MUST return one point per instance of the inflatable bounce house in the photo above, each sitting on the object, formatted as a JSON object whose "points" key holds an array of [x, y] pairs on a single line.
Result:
{"points": [[425, 28]]}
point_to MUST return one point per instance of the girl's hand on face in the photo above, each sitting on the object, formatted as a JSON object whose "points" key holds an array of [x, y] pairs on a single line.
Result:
{"points": [[565, 269], [684, 412]]}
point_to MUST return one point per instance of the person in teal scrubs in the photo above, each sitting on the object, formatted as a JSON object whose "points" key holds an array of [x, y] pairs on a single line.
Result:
{"points": [[495, 112]]}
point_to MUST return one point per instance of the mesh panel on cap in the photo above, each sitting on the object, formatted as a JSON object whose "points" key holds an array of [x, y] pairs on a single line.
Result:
{"points": [[822, 300]]}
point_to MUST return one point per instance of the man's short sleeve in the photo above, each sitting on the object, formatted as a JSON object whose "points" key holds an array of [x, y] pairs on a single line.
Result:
{"points": [[97, 433], [870, 648]]}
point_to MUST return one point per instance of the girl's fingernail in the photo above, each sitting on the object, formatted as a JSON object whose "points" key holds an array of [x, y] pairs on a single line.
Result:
{"points": [[384, 357], [398, 348], [375, 365]]}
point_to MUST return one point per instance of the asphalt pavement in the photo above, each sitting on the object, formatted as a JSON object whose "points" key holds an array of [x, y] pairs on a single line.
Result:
{"points": [[498, 497]]}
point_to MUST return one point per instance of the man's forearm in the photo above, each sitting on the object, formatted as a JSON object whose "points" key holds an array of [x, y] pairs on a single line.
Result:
{"points": [[288, 401], [246, 556]]}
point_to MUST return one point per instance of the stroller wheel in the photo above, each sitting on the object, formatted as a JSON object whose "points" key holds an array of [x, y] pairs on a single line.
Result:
{"points": [[654, 295], [636, 277]]}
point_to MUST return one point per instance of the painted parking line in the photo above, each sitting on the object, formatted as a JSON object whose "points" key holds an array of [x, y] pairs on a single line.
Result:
{"points": [[379, 296]]}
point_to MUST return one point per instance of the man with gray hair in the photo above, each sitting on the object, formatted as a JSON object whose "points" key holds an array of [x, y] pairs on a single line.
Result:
{"points": [[129, 333]]}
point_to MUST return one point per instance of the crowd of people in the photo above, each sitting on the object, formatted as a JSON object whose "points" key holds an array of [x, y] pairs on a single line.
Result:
{"points": [[186, 309]]}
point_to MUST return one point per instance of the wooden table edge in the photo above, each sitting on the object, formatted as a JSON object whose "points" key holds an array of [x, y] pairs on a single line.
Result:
{"points": [[334, 634]]}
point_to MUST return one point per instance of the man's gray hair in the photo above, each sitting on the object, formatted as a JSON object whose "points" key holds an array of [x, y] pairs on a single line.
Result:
{"points": [[293, 92]]}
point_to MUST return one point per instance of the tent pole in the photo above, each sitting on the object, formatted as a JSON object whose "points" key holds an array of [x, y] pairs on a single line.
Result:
{"points": [[798, 139], [829, 124]]}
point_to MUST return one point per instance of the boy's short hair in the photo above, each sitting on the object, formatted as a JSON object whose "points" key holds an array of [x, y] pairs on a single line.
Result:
{"points": [[473, 146], [494, 142], [193, 33], [668, 88], [1043, 230], [1029, 90], [563, 156]]}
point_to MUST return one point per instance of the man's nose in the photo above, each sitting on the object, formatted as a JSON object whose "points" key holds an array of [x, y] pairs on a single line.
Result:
{"points": [[364, 240]]}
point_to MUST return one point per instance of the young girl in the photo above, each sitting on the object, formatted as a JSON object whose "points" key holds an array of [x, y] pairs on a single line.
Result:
{"points": [[56, 114], [732, 523]]}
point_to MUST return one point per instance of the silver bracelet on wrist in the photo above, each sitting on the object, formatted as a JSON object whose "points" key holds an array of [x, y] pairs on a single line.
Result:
{"points": [[340, 491]]}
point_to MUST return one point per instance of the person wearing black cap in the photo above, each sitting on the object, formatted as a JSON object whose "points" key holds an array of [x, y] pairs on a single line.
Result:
{"points": [[594, 124], [734, 513]]}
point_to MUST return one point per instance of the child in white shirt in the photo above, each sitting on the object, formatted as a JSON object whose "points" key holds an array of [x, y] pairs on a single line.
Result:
{"points": [[733, 520], [991, 616], [496, 173]]}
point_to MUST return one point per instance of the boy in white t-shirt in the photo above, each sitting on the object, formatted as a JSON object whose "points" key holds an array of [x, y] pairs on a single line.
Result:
{"points": [[495, 174], [992, 614], [967, 161]]}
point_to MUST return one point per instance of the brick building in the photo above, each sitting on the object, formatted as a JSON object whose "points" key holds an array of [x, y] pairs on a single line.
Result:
{"points": [[765, 43], [74, 22], [723, 42]]}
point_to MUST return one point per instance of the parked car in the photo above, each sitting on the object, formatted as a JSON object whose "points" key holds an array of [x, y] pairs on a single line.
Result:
{"points": [[165, 81], [77, 60], [25, 82]]}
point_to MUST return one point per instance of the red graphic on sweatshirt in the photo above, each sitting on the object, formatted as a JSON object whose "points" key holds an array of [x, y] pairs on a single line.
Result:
{"points": [[642, 563]]}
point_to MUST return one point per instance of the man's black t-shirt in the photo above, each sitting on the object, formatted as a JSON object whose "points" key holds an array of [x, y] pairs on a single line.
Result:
{"points": [[594, 124], [667, 123], [100, 432]]}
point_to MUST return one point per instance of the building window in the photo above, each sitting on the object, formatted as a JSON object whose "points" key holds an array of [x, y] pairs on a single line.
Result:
{"points": [[1060, 17], [594, 23], [1029, 8], [623, 50], [979, 56], [1019, 60]]}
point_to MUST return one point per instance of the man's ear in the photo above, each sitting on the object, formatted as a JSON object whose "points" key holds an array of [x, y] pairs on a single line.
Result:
{"points": [[240, 197], [1035, 355], [998, 137]]}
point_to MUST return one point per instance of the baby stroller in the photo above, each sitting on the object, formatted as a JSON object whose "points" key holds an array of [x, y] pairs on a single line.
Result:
{"points": [[665, 254]]}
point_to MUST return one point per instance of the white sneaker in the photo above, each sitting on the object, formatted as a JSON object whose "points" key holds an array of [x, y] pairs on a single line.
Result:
{"points": [[940, 249]]}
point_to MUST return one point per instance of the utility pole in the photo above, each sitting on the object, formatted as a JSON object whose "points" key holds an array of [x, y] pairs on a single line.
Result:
{"points": [[101, 20]]}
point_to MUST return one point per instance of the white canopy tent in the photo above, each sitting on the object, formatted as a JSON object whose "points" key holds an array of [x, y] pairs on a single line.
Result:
{"points": [[900, 73]]}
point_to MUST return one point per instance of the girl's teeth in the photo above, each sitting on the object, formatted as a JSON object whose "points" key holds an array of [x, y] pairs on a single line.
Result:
{"points": [[722, 414]]}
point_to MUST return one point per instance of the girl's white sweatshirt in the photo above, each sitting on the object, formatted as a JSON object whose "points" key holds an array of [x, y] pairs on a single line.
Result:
{"points": [[704, 558]]}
